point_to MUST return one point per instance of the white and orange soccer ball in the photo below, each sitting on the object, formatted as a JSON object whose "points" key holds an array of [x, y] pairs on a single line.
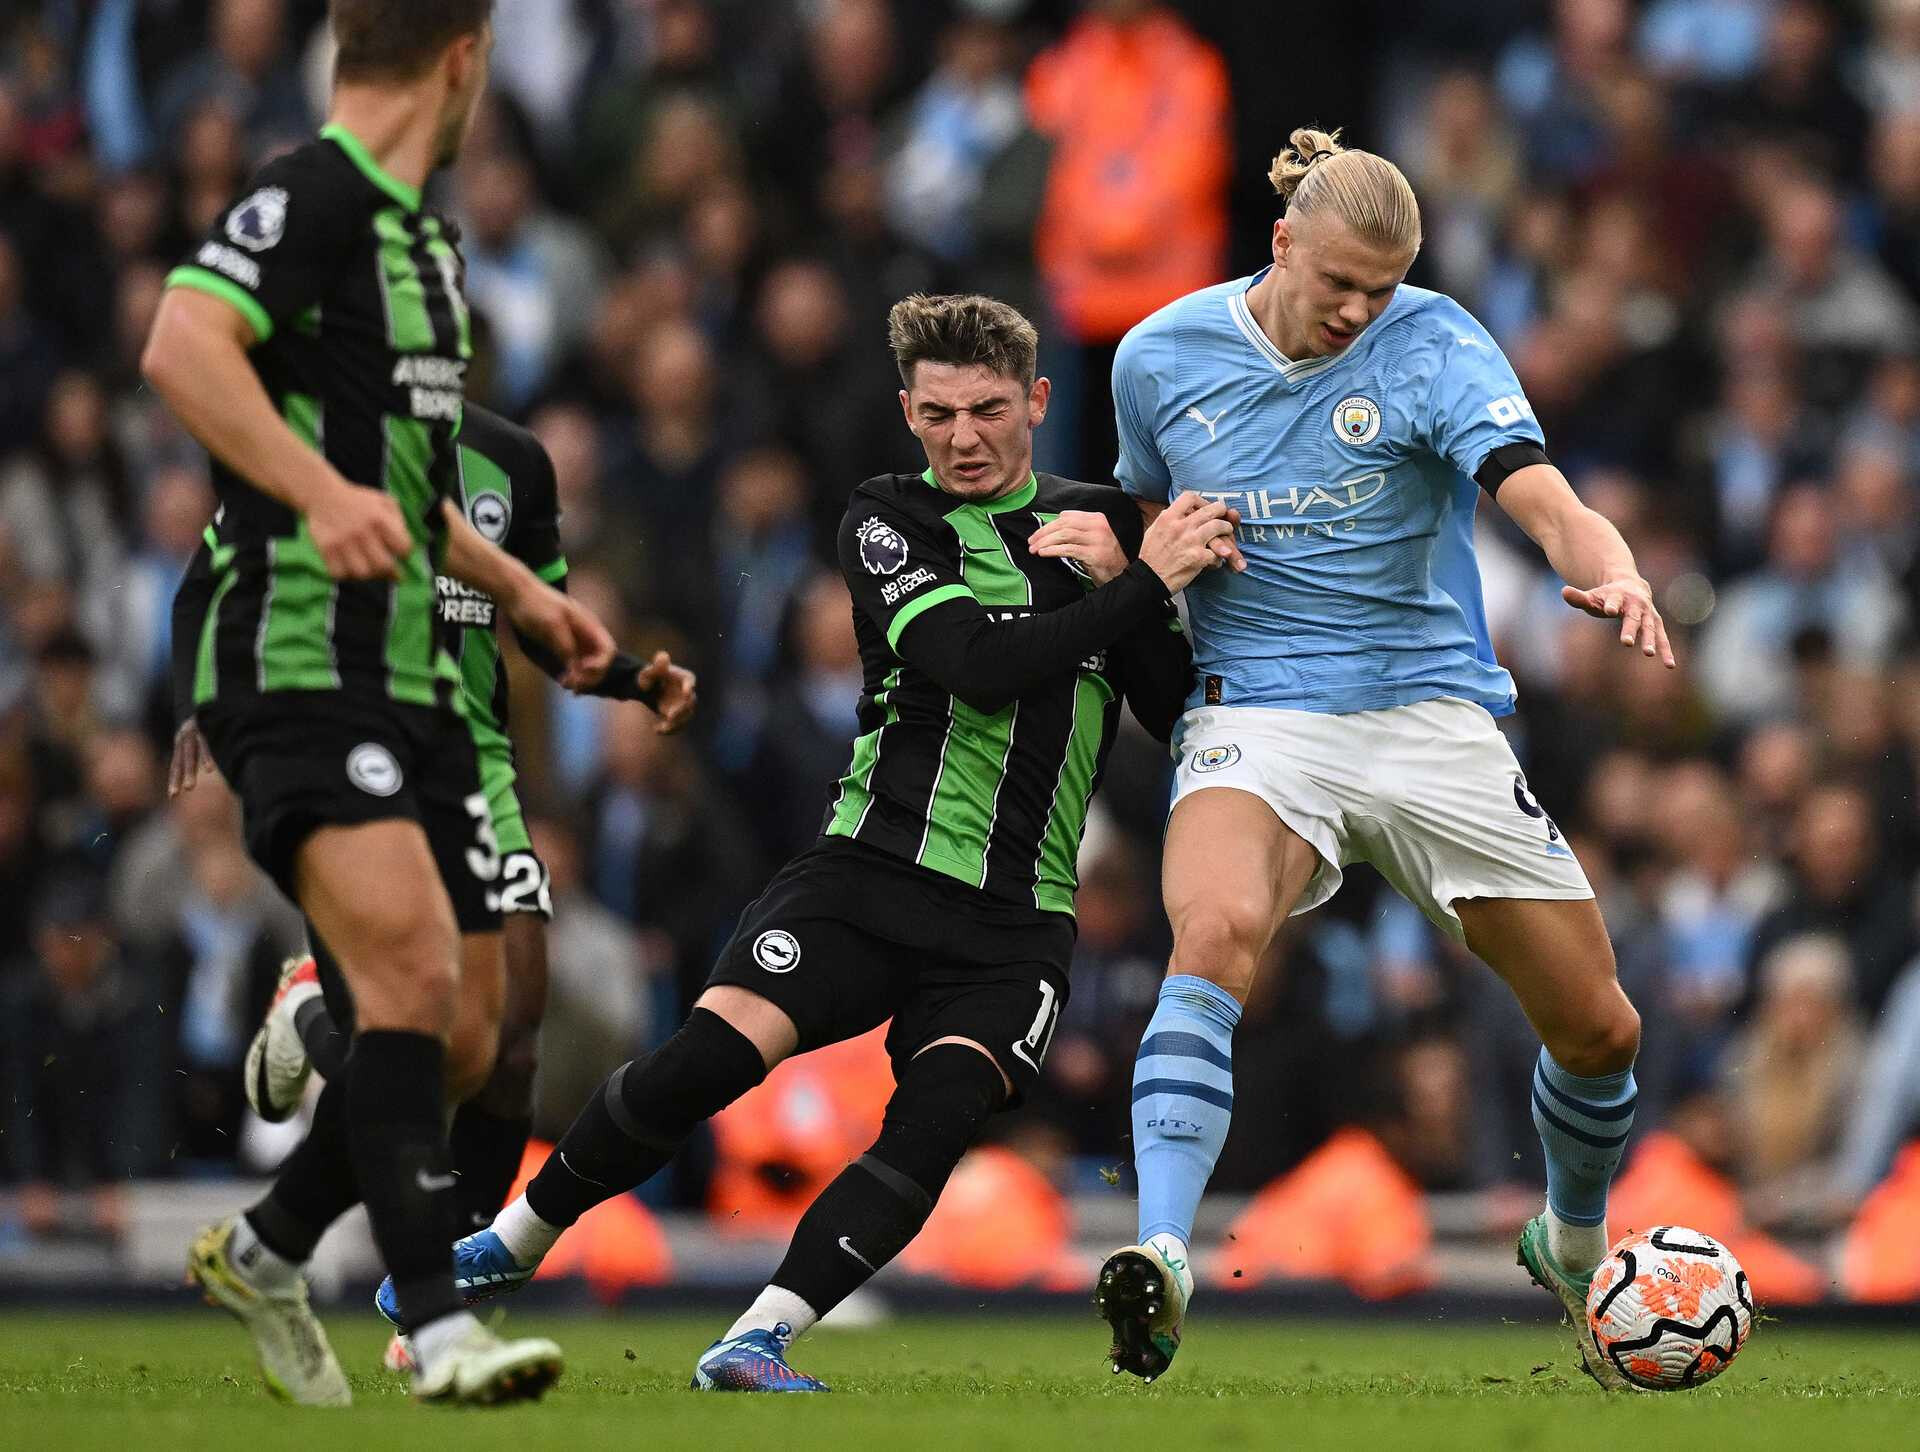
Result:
{"points": [[1670, 1308]]}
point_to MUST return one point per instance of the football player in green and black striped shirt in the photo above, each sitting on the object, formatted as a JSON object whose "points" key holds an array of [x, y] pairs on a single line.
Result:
{"points": [[1001, 623], [507, 492], [316, 342]]}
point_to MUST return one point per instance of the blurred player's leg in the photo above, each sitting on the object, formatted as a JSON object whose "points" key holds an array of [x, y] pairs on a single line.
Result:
{"points": [[865, 1217], [1559, 963], [623, 1136], [490, 1130], [374, 893], [1224, 908]]}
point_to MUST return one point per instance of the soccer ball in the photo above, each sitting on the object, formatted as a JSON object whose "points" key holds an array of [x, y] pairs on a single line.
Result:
{"points": [[1670, 1308]]}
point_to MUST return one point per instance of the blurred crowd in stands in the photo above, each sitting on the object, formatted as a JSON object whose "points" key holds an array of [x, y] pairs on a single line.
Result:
{"points": [[1693, 224]]}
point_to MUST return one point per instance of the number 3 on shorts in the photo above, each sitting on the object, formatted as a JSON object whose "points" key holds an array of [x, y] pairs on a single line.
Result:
{"points": [[1033, 1048], [483, 861]]}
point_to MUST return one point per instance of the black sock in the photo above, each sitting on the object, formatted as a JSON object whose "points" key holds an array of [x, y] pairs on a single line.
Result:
{"points": [[326, 1046], [486, 1156], [875, 1206], [396, 1120], [866, 1217], [314, 1188], [634, 1124]]}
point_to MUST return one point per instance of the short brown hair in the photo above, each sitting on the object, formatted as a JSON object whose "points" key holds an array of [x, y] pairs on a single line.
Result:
{"points": [[398, 39], [963, 330]]}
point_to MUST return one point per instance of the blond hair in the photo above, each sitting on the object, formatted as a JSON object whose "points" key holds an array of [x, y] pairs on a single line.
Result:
{"points": [[1367, 192], [964, 330]]}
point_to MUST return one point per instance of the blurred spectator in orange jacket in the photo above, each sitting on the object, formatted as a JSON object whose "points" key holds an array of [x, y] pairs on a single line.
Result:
{"points": [[1678, 1176], [778, 1146], [1880, 1260], [1354, 1210], [1136, 106]]}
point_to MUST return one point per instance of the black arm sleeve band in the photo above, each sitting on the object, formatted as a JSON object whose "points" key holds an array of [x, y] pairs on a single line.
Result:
{"points": [[616, 685], [988, 663], [1506, 461], [1154, 666]]}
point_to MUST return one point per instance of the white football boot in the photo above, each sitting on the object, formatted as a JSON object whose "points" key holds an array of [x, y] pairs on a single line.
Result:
{"points": [[295, 1360], [277, 1066]]}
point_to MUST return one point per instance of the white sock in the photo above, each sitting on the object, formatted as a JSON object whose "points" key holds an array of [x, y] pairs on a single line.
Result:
{"points": [[433, 1340], [773, 1307], [1575, 1247], [526, 1236], [1173, 1250], [259, 1266]]}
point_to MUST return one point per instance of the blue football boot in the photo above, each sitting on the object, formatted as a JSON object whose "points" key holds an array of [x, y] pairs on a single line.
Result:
{"points": [[754, 1361], [483, 1268]]}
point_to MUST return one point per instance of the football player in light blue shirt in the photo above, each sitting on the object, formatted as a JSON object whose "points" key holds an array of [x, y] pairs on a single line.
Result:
{"points": [[1345, 690]]}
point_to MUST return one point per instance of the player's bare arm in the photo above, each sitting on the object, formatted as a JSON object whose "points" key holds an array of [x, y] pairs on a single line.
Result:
{"points": [[1588, 553], [196, 359], [538, 610]]}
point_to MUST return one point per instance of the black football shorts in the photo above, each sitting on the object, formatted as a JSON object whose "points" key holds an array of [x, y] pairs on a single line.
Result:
{"points": [[302, 760], [846, 937]]}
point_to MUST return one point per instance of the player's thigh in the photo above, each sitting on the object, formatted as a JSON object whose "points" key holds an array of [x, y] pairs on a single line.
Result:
{"points": [[374, 894], [523, 940], [1231, 872], [1002, 995], [802, 970], [1556, 957]]}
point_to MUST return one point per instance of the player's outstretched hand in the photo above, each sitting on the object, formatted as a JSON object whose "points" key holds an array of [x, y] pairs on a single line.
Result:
{"points": [[1631, 602], [360, 533], [671, 690], [1183, 540], [190, 758], [1084, 535], [568, 629]]}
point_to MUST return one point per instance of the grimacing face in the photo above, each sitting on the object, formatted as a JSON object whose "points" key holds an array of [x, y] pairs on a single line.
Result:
{"points": [[1331, 283], [976, 426]]}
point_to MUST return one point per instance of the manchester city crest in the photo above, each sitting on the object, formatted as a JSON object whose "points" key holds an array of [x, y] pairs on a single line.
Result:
{"points": [[1215, 758], [1356, 419]]}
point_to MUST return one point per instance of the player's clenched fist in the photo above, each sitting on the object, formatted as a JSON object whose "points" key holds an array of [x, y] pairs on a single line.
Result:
{"points": [[361, 533], [1083, 535], [1180, 543]]}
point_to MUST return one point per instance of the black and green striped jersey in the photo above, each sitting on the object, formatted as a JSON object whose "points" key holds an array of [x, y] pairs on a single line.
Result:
{"points": [[361, 338], [992, 680], [508, 492]]}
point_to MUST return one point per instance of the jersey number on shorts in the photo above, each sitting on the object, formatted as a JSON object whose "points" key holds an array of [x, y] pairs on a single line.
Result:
{"points": [[1033, 1048], [526, 889], [483, 861]]}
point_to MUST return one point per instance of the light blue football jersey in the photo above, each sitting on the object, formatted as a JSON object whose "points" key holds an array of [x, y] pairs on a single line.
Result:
{"points": [[1353, 478]]}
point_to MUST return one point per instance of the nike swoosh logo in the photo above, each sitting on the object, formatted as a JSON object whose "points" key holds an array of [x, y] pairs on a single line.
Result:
{"points": [[847, 1246], [433, 1184]]}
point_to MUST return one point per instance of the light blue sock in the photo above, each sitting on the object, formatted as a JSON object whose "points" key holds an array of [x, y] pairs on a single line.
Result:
{"points": [[1583, 1124], [1182, 1101]]}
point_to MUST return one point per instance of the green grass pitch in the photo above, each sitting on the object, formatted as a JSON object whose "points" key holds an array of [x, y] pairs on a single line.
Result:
{"points": [[140, 1382]]}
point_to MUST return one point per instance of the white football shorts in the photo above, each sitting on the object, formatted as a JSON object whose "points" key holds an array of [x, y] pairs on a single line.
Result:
{"points": [[1430, 794]]}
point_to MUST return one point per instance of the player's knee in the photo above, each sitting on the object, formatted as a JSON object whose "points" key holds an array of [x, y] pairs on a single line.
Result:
{"points": [[1607, 1044], [945, 1096], [1222, 942]]}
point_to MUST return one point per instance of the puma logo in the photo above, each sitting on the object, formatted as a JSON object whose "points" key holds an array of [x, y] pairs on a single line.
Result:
{"points": [[1207, 423]]}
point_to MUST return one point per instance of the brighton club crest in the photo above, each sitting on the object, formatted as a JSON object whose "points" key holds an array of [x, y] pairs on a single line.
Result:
{"points": [[1356, 420]]}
